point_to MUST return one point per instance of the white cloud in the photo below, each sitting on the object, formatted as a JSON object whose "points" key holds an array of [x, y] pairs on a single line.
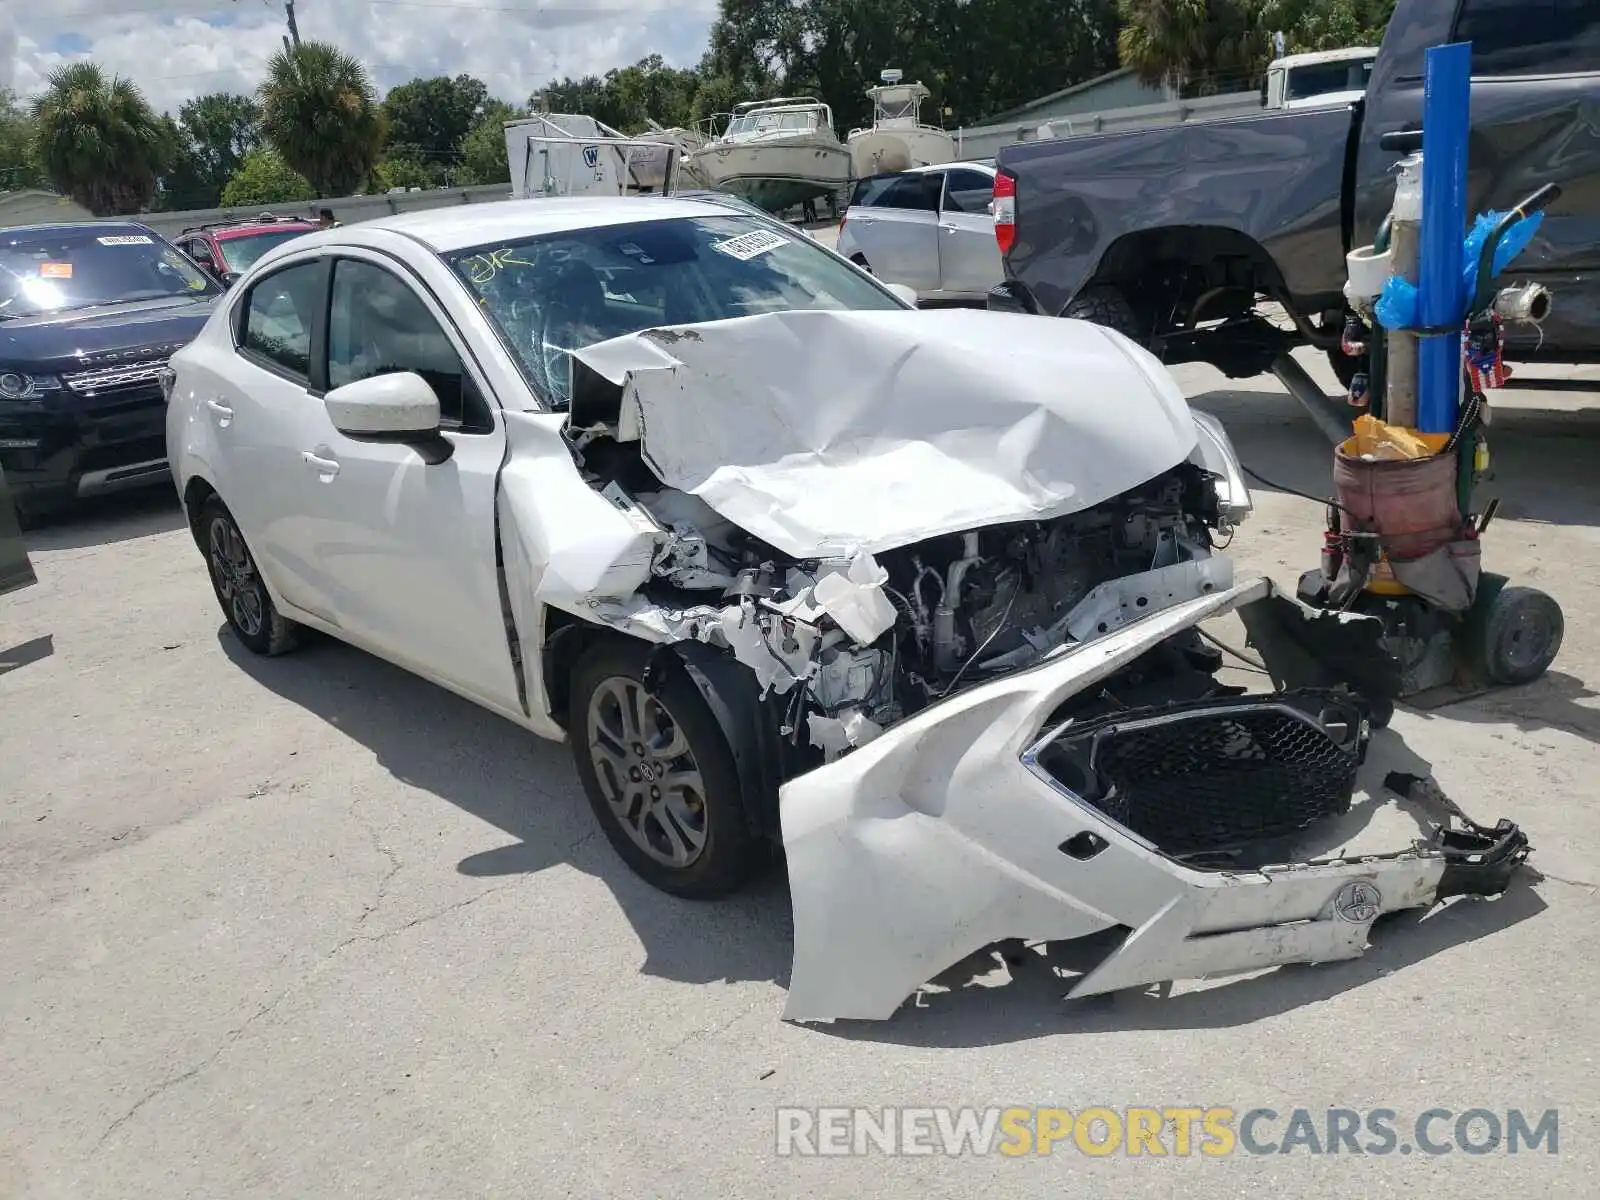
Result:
{"points": [[177, 49]]}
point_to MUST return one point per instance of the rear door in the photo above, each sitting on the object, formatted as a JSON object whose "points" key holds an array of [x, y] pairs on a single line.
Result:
{"points": [[897, 230], [969, 256], [1535, 117]]}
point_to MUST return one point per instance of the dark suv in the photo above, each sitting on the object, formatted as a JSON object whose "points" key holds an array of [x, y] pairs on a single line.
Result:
{"points": [[228, 249], [89, 314]]}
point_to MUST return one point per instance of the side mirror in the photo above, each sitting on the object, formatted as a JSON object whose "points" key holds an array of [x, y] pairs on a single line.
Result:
{"points": [[399, 407], [229, 278], [908, 294], [1013, 296]]}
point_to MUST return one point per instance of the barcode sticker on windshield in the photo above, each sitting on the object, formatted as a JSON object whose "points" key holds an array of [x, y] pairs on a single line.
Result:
{"points": [[749, 245], [126, 239]]}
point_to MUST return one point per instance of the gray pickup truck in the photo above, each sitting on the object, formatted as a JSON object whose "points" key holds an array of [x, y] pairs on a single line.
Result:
{"points": [[1178, 236]]}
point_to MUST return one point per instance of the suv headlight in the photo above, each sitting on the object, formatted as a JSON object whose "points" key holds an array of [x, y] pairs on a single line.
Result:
{"points": [[14, 385]]}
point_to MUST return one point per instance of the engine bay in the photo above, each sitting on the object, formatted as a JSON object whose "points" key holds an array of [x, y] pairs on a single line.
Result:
{"points": [[857, 643]]}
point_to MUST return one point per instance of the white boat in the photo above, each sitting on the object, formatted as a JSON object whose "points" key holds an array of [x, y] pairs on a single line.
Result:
{"points": [[775, 153], [897, 139]]}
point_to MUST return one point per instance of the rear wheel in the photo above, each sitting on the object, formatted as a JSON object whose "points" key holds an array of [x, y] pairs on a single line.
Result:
{"points": [[251, 615], [659, 774], [1104, 305], [1522, 635]]}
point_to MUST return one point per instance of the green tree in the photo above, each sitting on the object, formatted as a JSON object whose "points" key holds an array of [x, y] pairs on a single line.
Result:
{"points": [[483, 151], [99, 141], [320, 113], [1195, 47], [1329, 24], [19, 166], [264, 179], [402, 168], [213, 134], [431, 117]]}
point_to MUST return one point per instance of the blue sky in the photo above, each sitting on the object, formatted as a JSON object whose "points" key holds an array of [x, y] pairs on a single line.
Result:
{"points": [[177, 49]]}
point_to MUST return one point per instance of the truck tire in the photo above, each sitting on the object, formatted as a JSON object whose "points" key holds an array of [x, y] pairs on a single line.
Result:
{"points": [[1104, 305]]}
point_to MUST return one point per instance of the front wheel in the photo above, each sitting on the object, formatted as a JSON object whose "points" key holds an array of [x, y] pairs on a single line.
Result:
{"points": [[251, 615], [860, 260], [1104, 305], [659, 774]]}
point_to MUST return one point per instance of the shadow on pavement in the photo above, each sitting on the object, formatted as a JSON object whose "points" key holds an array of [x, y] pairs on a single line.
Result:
{"points": [[526, 787], [106, 520], [1545, 461], [24, 654]]}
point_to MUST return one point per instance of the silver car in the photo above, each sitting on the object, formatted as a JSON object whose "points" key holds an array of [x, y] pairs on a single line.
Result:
{"points": [[930, 228]]}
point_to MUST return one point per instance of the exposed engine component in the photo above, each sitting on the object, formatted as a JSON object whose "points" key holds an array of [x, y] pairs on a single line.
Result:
{"points": [[874, 640]]}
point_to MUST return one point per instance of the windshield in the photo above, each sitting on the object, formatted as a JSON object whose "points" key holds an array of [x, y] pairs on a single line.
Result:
{"points": [[52, 270], [769, 122], [1347, 76], [549, 295], [240, 253]]}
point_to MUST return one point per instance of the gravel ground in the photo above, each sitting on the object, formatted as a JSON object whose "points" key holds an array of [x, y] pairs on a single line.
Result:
{"points": [[310, 927]]}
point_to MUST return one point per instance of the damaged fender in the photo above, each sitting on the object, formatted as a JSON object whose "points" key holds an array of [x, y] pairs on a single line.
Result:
{"points": [[943, 836]]}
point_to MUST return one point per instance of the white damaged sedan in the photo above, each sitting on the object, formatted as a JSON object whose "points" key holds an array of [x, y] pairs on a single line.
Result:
{"points": [[913, 594]]}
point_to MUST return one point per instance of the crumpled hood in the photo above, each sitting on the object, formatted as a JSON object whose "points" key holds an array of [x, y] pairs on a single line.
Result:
{"points": [[825, 433]]}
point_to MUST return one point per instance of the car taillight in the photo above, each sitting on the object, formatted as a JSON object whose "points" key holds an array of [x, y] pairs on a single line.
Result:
{"points": [[1005, 210]]}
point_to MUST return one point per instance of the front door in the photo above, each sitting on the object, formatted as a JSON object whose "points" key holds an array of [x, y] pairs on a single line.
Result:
{"points": [[1535, 107], [410, 545], [899, 232]]}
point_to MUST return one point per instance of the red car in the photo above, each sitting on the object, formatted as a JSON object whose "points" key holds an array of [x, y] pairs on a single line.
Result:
{"points": [[230, 248]]}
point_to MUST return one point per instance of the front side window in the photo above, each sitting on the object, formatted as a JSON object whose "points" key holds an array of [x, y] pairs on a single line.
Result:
{"points": [[377, 326], [1531, 37], [279, 314], [917, 191], [549, 295], [57, 270]]}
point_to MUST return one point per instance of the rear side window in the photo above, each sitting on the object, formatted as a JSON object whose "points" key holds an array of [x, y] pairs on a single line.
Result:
{"points": [[967, 191], [1531, 37], [279, 314]]}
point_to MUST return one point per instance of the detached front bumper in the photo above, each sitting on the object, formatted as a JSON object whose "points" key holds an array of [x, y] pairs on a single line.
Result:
{"points": [[946, 835]]}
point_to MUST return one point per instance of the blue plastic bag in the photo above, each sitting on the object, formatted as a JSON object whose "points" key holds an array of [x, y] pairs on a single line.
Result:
{"points": [[1397, 306]]}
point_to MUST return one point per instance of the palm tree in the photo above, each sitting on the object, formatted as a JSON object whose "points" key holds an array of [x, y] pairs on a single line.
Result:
{"points": [[321, 114], [99, 141], [1179, 42]]}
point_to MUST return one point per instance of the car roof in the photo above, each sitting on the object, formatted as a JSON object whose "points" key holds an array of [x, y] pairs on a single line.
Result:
{"points": [[987, 167], [250, 228], [110, 227], [461, 227]]}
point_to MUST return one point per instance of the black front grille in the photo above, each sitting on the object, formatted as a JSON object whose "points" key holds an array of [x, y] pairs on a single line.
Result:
{"points": [[1216, 774]]}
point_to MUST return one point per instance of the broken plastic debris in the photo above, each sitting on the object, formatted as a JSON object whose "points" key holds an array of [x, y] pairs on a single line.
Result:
{"points": [[855, 599], [834, 735]]}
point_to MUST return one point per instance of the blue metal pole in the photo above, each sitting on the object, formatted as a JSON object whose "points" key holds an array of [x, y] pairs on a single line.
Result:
{"points": [[1446, 107]]}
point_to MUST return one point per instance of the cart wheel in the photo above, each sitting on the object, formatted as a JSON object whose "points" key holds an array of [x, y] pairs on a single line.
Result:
{"points": [[1521, 635]]}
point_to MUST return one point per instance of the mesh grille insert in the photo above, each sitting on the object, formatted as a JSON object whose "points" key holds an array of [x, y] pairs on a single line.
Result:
{"points": [[1217, 773]]}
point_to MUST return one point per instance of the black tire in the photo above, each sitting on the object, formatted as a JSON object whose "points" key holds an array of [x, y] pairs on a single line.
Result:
{"points": [[860, 260], [1522, 635], [1105, 305], [245, 601], [708, 809]]}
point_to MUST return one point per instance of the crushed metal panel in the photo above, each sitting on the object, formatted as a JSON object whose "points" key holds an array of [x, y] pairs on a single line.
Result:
{"points": [[944, 835], [824, 433]]}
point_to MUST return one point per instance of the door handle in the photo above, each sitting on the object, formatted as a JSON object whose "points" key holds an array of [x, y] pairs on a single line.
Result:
{"points": [[221, 411], [950, 228], [326, 468]]}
